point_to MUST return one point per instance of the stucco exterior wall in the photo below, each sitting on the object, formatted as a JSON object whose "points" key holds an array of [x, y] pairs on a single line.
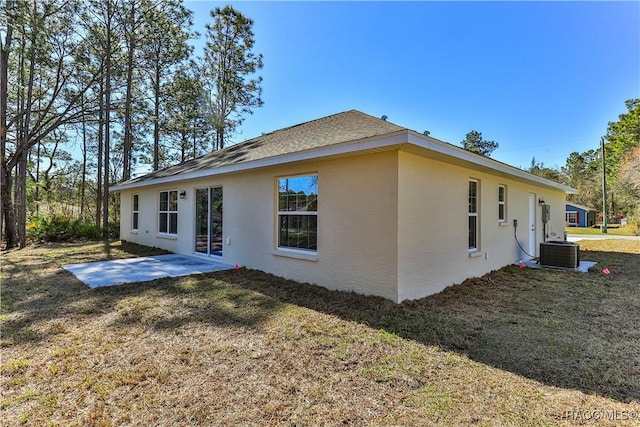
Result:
{"points": [[433, 224], [392, 223], [147, 233], [357, 222]]}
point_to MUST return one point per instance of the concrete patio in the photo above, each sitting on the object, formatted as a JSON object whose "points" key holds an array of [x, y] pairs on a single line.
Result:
{"points": [[142, 269]]}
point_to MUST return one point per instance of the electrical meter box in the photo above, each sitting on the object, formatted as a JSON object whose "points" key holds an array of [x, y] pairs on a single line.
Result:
{"points": [[546, 213]]}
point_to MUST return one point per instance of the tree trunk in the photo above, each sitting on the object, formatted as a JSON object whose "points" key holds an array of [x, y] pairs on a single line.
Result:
{"points": [[6, 207], [183, 149], [107, 127], [100, 150], [83, 179], [21, 181], [20, 204], [219, 138], [195, 149], [38, 180], [8, 210], [126, 155], [156, 120]]}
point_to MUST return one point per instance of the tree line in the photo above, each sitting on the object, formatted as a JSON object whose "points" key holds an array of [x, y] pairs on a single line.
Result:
{"points": [[118, 82], [584, 171]]}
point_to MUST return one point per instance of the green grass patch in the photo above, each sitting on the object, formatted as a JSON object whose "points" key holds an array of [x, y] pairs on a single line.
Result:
{"points": [[630, 229]]}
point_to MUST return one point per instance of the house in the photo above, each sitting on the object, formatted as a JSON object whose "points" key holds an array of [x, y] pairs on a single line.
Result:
{"points": [[579, 216], [349, 202]]}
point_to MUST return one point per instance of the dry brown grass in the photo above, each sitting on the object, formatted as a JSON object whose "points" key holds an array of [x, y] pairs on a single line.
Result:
{"points": [[515, 347]]}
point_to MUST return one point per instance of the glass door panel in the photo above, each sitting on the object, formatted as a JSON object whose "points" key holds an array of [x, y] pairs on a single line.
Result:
{"points": [[202, 220], [216, 221], [209, 221]]}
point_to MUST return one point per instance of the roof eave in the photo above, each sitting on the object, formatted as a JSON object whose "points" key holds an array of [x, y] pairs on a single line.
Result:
{"points": [[468, 157], [387, 141]]}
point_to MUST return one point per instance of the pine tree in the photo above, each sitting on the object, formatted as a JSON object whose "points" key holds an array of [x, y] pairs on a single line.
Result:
{"points": [[230, 67], [165, 49], [474, 142]]}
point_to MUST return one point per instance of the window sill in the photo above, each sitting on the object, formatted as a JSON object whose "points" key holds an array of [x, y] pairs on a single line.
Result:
{"points": [[292, 253], [167, 236], [133, 231], [475, 253], [503, 223]]}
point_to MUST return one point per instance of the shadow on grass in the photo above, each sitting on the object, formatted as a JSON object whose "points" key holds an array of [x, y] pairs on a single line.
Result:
{"points": [[566, 329], [37, 291], [186, 300]]}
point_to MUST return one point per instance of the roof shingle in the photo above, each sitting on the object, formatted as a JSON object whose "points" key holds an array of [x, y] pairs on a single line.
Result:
{"points": [[343, 127]]}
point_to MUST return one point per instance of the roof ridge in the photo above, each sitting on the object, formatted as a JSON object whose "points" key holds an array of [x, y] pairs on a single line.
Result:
{"points": [[242, 143], [302, 124]]}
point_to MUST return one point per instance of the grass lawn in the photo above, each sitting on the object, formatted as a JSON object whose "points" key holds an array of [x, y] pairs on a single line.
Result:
{"points": [[628, 230], [240, 347]]}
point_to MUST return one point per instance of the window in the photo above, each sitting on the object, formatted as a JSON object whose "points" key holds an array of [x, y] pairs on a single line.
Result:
{"points": [[298, 212], [473, 215], [502, 203], [134, 213], [168, 212], [571, 217]]}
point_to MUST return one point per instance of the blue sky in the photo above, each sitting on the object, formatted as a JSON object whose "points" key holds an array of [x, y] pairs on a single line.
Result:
{"points": [[542, 79]]}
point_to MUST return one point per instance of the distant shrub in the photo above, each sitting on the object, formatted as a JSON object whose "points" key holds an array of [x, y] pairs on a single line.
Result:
{"points": [[55, 229], [61, 229], [114, 230], [86, 230]]}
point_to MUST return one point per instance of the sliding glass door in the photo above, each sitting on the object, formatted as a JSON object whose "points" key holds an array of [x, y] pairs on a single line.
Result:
{"points": [[209, 221]]}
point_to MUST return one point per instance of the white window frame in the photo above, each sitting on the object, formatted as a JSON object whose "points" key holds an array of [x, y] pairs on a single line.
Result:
{"points": [[476, 246], [135, 212], [568, 214], [502, 203], [169, 213], [279, 213]]}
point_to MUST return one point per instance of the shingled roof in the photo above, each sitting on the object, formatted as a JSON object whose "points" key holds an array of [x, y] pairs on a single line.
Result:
{"points": [[348, 132], [343, 127]]}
